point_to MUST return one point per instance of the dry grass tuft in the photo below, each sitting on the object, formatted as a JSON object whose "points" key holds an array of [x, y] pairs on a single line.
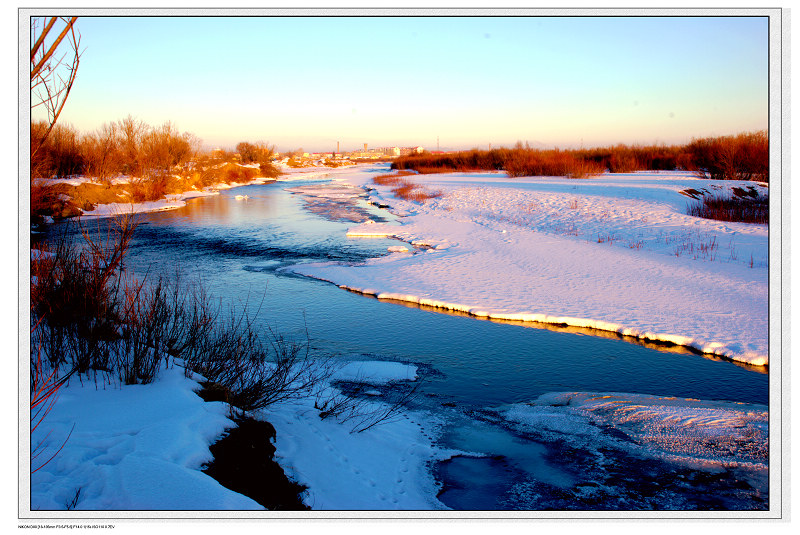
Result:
{"points": [[742, 209], [406, 189], [391, 179]]}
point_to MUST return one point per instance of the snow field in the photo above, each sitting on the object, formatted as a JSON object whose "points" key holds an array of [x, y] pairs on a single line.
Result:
{"points": [[613, 252], [382, 468]]}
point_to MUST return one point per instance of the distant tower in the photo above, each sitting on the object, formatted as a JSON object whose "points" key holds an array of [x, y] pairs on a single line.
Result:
{"points": [[365, 147], [337, 146]]}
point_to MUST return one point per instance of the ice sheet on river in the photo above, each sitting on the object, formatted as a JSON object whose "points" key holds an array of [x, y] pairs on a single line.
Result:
{"points": [[614, 451], [335, 202], [691, 431]]}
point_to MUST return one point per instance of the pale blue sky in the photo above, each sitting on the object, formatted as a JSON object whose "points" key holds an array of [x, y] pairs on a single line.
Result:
{"points": [[472, 81]]}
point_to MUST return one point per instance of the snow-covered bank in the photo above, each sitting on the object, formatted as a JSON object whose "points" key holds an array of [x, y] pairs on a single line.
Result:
{"points": [[138, 447], [614, 252], [174, 201], [141, 447], [385, 467]]}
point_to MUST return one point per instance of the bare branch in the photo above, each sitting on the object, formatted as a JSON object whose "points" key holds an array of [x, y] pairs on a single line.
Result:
{"points": [[38, 66], [48, 86], [40, 40]]}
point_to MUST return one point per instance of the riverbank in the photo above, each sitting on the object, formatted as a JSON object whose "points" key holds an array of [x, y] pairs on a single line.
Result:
{"points": [[106, 457], [615, 252], [82, 196]]}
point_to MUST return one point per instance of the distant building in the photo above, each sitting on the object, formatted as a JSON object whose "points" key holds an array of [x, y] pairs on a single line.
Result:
{"points": [[383, 152], [405, 151]]}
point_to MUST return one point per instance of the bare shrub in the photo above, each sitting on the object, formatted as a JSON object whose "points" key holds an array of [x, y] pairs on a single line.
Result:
{"points": [[59, 154], [152, 188], [411, 191], [627, 159], [744, 157], [257, 369], [101, 152], [349, 402], [391, 179], [146, 311], [527, 162], [89, 315], [741, 157], [75, 297], [236, 173], [160, 149], [44, 202], [260, 153], [519, 161]]}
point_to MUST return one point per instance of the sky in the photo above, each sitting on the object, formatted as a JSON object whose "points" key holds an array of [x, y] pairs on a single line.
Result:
{"points": [[436, 82]]}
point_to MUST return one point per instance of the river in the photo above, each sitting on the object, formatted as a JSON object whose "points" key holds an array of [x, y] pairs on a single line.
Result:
{"points": [[237, 247]]}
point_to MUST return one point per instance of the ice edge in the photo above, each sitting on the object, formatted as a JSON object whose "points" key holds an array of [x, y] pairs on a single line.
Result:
{"points": [[752, 358]]}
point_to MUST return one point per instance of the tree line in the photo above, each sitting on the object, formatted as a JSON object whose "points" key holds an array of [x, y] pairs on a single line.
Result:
{"points": [[128, 146], [738, 157]]}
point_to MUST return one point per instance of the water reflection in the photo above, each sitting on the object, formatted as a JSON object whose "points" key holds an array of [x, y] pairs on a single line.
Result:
{"points": [[223, 209]]}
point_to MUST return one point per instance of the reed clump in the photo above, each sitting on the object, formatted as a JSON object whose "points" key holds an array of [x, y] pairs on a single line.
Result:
{"points": [[742, 208]]}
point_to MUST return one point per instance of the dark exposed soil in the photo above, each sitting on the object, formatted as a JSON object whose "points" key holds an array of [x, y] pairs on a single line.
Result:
{"points": [[244, 463]]}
